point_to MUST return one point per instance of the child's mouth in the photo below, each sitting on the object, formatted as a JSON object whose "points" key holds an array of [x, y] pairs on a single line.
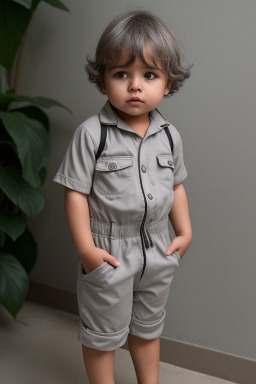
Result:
{"points": [[135, 101]]}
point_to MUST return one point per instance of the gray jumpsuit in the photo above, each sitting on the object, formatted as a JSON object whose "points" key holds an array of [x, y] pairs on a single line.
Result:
{"points": [[130, 195]]}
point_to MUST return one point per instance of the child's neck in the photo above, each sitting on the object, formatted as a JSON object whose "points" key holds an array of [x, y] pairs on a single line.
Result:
{"points": [[139, 124]]}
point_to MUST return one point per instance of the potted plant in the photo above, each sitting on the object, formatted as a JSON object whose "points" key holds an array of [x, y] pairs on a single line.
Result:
{"points": [[24, 150]]}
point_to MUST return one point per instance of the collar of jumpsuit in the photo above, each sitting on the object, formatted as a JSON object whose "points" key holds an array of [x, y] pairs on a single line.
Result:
{"points": [[109, 117]]}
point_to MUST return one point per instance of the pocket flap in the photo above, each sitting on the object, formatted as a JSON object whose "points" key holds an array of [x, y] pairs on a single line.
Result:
{"points": [[165, 161], [109, 164]]}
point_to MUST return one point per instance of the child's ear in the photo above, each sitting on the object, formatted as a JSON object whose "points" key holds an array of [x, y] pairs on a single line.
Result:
{"points": [[168, 87], [102, 84]]}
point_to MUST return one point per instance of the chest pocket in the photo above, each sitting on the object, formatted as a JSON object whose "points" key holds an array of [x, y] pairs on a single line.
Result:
{"points": [[113, 175], [165, 170]]}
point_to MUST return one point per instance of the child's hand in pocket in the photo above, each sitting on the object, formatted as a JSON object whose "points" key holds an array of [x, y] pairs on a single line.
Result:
{"points": [[96, 257], [179, 244]]}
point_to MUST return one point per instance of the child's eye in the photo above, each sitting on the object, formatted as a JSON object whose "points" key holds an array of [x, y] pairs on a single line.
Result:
{"points": [[149, 76], [121, 75]]}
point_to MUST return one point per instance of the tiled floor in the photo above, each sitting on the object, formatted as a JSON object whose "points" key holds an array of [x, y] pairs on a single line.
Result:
{"points": [[41, 347]]}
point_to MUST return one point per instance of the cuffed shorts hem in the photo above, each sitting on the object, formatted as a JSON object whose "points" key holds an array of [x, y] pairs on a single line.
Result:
{"points": [[147, 330], [101, 341]]}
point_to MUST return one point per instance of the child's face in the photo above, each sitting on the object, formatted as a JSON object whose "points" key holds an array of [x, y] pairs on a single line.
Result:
{"points": [[136, 89]]}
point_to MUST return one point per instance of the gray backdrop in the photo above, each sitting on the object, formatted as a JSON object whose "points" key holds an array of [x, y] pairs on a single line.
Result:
{"points": [[212, 302]]}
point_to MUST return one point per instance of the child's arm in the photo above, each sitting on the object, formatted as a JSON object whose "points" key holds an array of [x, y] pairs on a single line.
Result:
{"points": [[180, 220], [78, 218]]}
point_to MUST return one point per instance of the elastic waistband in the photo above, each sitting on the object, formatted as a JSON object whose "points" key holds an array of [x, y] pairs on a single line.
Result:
{"points": [[121, 231]]}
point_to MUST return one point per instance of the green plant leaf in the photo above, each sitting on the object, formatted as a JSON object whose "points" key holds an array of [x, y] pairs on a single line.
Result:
{"points": [[32, 141], [2, 238], [14, 283], [7, 98], [57, 4], [24, 249], [34, 113], [25, 3], [28, 198], [37, 114], [42, 175], [14, 20], [13, 225]]}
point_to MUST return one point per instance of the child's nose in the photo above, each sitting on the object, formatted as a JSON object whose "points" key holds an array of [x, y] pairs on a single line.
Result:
{"points": [[135, 85]]}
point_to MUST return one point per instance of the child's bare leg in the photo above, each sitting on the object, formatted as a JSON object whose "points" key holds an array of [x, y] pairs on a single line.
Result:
{"points": [[145, 355], [99, 365]]}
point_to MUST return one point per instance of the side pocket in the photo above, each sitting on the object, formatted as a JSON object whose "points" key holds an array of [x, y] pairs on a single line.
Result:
{"points": [[95, 273], [176, 256]]}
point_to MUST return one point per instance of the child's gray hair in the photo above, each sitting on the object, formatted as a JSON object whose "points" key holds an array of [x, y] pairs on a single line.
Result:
{"points": [[132, 30]]}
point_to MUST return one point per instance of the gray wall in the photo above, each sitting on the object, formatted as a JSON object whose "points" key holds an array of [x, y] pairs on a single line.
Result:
{"points": [[212, 302]]}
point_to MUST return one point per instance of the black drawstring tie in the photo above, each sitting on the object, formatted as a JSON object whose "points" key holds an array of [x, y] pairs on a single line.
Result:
{"points": [[147, 239], [150, 240]]}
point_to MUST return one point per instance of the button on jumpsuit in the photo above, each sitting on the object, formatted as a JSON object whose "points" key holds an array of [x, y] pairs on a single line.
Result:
{"points": [[130, 195]]}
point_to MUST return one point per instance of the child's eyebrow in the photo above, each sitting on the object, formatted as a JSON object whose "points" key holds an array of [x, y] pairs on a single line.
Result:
{"points": [[119, 66]]}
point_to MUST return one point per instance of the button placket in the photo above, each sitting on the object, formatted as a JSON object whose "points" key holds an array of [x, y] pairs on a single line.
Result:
{"points": [[145, 181]]}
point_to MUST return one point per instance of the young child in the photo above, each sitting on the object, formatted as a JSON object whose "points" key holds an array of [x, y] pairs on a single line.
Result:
{"points": [[123, 174]]}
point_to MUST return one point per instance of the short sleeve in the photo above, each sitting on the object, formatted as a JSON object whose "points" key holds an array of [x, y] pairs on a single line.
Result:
{"points": [[77, 168], [180, 172]]}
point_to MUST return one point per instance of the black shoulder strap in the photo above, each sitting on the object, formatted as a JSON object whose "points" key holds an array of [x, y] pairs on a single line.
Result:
{"points": [[103, 136], [169, 137]]}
